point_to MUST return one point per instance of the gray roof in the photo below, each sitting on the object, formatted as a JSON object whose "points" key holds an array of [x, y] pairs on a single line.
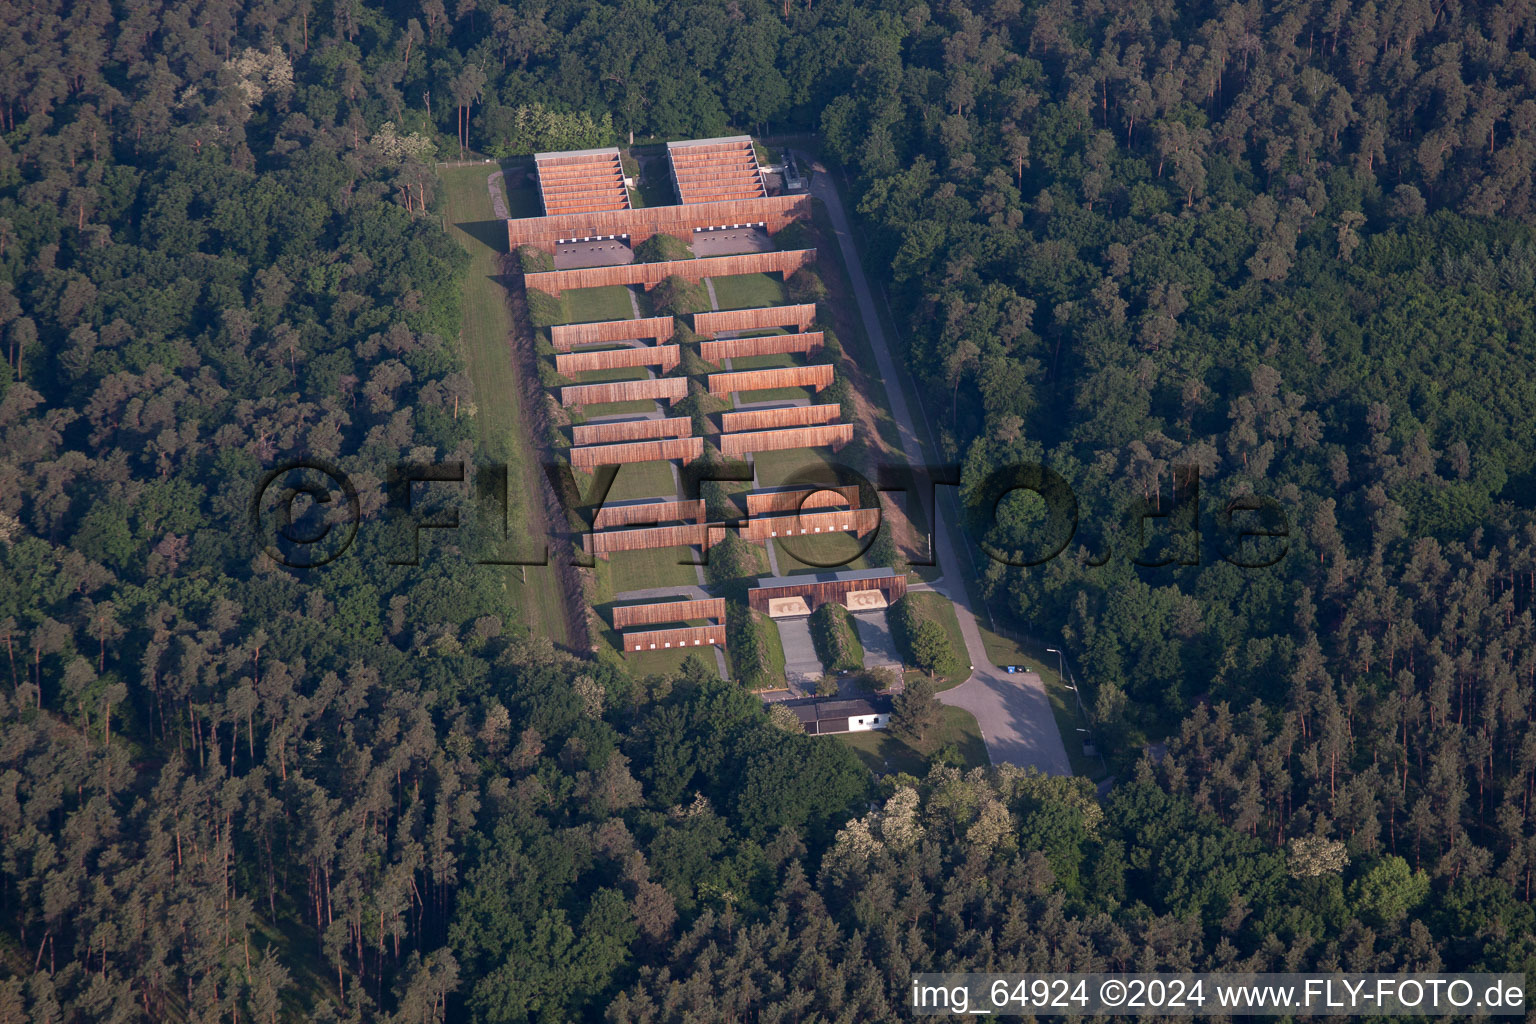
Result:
{"points": [[823, 577], [816, 709], [603, 151], [709, 142]]}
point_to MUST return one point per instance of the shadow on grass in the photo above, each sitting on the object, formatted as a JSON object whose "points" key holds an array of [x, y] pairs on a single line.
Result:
{"points": [[490, 233]]}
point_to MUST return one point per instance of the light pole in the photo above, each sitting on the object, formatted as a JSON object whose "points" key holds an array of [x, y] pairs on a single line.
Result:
{"points": [[1082, 714]]}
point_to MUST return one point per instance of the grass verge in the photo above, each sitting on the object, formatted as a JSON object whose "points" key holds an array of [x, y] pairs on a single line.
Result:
{"points": [[884, 754], [485, 341], [938, 608], [747, 291]]}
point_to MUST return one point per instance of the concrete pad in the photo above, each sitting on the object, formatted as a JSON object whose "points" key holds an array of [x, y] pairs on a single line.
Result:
{"points": [[781, 607], [730, 241], [875, 635], [603, 252], [865, 600], [801, 666]]}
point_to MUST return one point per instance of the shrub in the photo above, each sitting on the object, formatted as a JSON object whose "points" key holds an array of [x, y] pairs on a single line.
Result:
{"points": [[805, 286], [675, 296], [533, 260], [543, 308], [836, 643], [922, 641], [747, 646], [883, 551], [662, 249], [795, 235], [830, 342], [731, 561]]}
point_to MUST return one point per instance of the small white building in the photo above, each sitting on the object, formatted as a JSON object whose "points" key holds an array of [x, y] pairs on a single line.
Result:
{"points": [[822, 715]]}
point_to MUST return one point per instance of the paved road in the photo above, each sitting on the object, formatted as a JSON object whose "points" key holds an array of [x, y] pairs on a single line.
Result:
{"points": [[802, 668], [1013, 710], [875, 637]]}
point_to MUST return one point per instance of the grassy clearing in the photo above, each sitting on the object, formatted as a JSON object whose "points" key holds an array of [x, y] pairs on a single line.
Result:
{"points": [[659, 567], [841, 311], [663, 661], [777, 395], [599, 409], [938, 608], [884, 754], [772, 361], [644, 480], [584, 305], [614, 373], [666, 663], [834, 552], [810, 464], [500, 421], [655, 189], [775, 645], [746, 291]]}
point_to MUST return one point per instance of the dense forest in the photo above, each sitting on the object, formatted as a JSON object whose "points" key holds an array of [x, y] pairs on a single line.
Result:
{"points": [[1289, 244]]}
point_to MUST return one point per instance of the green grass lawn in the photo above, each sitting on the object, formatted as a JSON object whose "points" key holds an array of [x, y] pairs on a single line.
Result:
{"points": [[777, 395], [599, 409], [827, 552], [639, 570], [938, 608], [583, 305], [655, 189], [499, 420], [523, 202], [643, 480], [746, 291], [614, 373], [663, 661], [884, 754], [666, 663], [811, 465], [772, 361], [775, 645]]}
